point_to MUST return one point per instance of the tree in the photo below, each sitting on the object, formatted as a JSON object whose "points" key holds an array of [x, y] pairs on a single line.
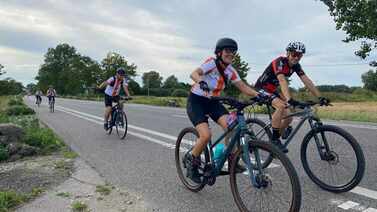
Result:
{"points": [[152, 79], [358, 18], [1, 71], [134, 87], [9, 86], [242, 68], [370, 80], [31, 88], [57, 69], [171, 82], [113, 61]]}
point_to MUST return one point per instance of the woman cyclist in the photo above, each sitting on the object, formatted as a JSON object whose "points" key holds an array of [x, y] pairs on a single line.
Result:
{"points": [[209, 80]]}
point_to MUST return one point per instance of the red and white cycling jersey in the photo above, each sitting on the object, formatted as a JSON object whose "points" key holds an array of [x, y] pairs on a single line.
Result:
{"points": [[51, 92], [213, 78], [115, 89]]}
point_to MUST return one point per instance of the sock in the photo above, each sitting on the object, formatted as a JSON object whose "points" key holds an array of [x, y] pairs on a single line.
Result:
{"points": [[275, 133]]}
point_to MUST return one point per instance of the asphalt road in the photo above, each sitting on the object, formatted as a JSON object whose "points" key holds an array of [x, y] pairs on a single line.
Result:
{"points": [[144, 161]]}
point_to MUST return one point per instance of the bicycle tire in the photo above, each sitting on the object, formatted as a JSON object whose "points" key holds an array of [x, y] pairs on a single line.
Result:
{"points": [[295, 203], [121, 124], [360, 160], [267, 159], [180, 150]]}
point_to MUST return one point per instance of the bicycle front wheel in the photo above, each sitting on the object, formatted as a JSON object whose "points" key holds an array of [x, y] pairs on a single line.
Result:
{"points": [[121, 125], [279, 188], [332, 158], [262, 132]]}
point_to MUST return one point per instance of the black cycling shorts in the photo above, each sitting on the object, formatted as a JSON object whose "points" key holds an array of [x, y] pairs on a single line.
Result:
{"points": [[110, 99], [198, 107], [272, 95]]}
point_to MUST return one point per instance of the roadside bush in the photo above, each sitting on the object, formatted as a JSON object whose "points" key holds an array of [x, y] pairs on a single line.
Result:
{"points": [[25, 121], [15, 101], [44, 138], [17, 110], [4, 155], [180, 93], [10, 199]]}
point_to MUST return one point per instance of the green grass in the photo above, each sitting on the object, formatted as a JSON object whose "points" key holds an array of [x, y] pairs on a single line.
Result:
{"points": [[70, 154], [78, 206], [10, 199], [103, 189], [63, 194], [43, 138]]}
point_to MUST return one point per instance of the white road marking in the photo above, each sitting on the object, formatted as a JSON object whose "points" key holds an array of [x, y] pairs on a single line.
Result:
{"points": [[169, 145], [370, 210], [365, 192], [348, 205], [180, 116]]}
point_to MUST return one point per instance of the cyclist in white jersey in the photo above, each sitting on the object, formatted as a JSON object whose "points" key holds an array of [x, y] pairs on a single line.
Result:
{"points": [[51, 93], [113, 86], [210, 79]]}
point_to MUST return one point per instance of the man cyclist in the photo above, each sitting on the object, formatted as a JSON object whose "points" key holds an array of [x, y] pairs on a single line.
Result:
{"points": [[113, 85], [275, 75], [209, 80], [38, 96], [51, 93]]}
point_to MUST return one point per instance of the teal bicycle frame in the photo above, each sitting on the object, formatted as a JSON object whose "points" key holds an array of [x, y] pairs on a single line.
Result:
{"points": [[240, 131]]}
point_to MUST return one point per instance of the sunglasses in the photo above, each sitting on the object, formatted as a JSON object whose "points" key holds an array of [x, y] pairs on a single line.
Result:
{"points": [[296, 54], [230, 51]]}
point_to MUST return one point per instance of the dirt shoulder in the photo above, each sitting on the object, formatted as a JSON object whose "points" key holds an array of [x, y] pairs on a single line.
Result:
{"points": [[65, 185]]}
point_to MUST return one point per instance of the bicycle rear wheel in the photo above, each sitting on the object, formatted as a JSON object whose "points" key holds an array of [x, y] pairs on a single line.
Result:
{"points": [[184, 144], [279, 184], [341, 166], [121, 124]]}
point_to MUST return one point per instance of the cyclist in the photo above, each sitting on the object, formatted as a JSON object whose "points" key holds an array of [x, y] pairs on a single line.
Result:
{"points": [[275, 75], [38, 96], [51, 93], [113, 85], [209, 80]]}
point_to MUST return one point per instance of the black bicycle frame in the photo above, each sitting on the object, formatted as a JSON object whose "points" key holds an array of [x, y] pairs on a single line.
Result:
{"points": [[305, 115]]}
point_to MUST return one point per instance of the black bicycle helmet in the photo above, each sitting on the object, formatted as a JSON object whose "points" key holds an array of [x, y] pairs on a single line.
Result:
{"points": [[121, 71], [225, 43], [296, 46]]}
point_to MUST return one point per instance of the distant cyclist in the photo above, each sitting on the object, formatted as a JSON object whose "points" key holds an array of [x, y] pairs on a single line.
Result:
{"points": [[38, 96], [51, 93], [275, 75], [113, 85], [210, 80]]}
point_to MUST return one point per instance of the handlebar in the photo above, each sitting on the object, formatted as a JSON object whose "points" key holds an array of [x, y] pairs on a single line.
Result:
{"points": [[307, 104], [233, 102]]}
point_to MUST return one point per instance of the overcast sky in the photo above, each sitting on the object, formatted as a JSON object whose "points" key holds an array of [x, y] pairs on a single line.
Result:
{"points": [[175, 36]]}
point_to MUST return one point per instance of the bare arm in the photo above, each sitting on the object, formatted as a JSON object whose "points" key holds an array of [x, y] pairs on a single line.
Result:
{"points": [[102, 85], [125, 88], [284, 86], [244, 88], [310, 85], [196, 75]]}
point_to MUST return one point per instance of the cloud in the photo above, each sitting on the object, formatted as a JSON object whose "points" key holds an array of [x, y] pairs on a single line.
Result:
{"points": [[174, 37]]}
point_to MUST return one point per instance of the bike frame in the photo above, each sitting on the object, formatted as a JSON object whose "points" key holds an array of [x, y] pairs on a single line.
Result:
{"points": [[240, 129], [314, 122]]}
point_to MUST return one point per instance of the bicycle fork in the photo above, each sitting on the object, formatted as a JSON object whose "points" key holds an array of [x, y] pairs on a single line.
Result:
{"points": [[246, 158], [321, 142]]}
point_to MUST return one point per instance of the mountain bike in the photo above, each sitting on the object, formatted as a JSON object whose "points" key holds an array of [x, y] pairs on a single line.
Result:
{"points": [[51, 104], [256, 189], [326, 150], [118, 118], [39, 100]]}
